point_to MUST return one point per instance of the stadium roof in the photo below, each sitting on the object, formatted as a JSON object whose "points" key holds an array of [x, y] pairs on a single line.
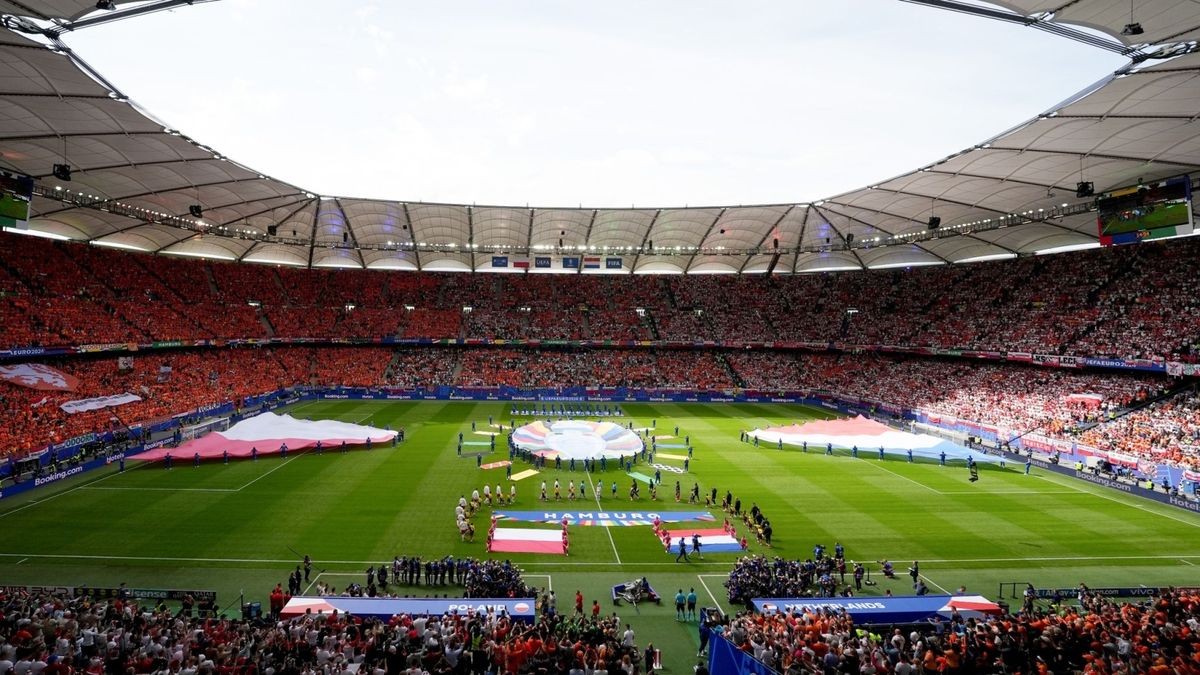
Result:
{"points": [[134, 179]]}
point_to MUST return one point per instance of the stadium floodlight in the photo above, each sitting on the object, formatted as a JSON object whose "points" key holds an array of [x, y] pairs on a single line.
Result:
{"points": [[196, 210], [62, 171]]}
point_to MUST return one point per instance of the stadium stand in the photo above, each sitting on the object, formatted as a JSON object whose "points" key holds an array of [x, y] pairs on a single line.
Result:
{"points": [[1127, 302], [1100, 636]]}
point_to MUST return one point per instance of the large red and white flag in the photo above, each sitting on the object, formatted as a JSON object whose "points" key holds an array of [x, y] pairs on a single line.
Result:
{"points": [[38, 376]]}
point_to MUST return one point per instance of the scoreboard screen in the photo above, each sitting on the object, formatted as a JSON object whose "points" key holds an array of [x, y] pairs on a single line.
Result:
{"points": [[16, 192], [1148, 211]]}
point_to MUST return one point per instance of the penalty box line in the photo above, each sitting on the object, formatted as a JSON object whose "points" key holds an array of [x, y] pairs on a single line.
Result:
{"points": [[708, 590]]}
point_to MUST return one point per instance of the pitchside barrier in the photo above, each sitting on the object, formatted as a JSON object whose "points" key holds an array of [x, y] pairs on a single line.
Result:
{"points": [[206, 601], [1017, 590]]}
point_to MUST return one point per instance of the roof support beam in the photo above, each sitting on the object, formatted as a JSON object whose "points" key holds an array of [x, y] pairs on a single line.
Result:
{"points": [[529, 240], [800, 241], [471, 235], [180, 240], [129, 165], [52, 94], [645, 239], [587, 239], [703, 239], [1119, 158], [84, 134], [107, 17], [353, 238], [181, 188], [767, 235], [312, 234], [877, 229], [992, 243], [412, 236], [1000, 179], [303, 201], [842, 237]]}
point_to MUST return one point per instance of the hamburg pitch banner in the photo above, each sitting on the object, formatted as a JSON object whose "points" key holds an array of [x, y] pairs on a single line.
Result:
{"points": [[605, 518], [38, 376]]}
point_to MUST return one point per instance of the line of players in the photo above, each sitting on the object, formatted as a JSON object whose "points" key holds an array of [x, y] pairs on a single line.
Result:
{"points": [[574, 493], [465, 510]]}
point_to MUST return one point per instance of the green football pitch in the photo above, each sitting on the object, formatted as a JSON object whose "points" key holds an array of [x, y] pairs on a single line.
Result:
{"points": [[232, 528]]}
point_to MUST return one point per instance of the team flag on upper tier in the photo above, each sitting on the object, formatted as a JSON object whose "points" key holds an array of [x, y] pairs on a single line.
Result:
{"points": [[38, 376], [591, 263]]}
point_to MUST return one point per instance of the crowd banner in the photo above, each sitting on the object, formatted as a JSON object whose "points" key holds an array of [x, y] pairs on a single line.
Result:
{"points": [[84, 405]]}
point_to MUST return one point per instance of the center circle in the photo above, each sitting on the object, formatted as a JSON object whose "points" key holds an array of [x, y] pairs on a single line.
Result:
{"points": [[578, 439]]}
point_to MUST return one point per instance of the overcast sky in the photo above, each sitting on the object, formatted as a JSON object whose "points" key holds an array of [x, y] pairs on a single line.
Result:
{"points": [[607, 103]]}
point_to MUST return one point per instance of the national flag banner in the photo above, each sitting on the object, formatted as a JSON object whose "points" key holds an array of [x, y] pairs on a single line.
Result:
{"points": [[570, 263], [712, 540], [614, 263], [527, 540], [98, 403], [1193, 476], [499, 261], [590, 263], [541, 262], [266, 432], [521, 263], [38, 376]]}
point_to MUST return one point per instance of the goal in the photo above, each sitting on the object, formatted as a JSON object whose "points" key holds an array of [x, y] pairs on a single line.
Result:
{"points": [[199, 430]]}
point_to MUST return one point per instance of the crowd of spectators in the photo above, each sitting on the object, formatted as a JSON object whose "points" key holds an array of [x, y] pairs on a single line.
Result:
{"points": [[1168, 431], [1014, 398], [41, 633], [1126, 302], [171, 383], [602, 368], [1097, 637]]}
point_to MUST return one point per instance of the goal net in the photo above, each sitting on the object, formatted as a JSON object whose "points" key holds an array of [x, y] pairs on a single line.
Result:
{"points": [[198, 430]]}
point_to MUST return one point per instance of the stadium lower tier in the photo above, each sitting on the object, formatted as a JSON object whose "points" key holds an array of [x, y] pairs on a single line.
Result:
{"points": [[1123, 302], [1059, 403]]}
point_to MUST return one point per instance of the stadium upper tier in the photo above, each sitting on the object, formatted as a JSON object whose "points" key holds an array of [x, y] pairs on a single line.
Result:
{"points": [[135, 180], [1125, 302]]}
